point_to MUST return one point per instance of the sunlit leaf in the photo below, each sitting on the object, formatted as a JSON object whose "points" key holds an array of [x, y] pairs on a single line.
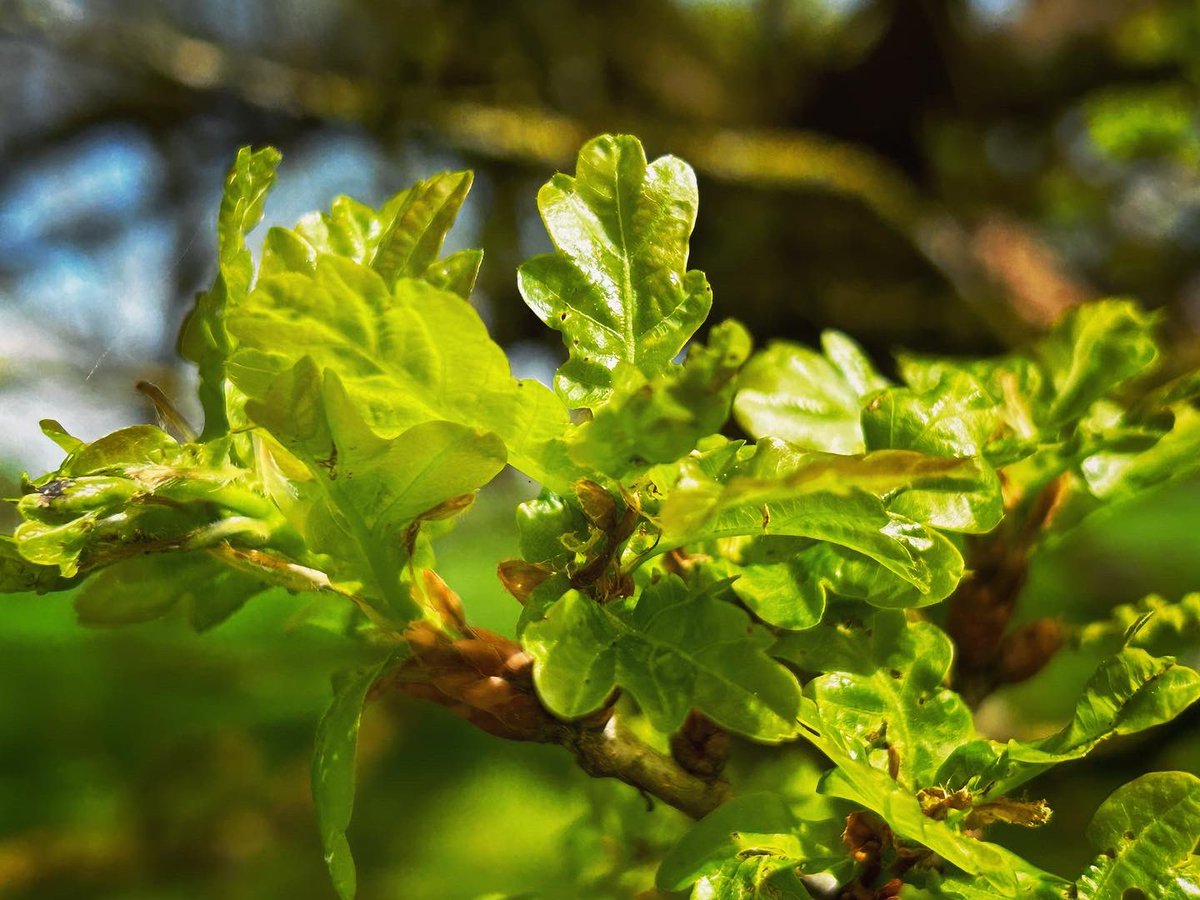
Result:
{"points": [[373, 487], [406, 355], [203, 339], [656, 420], [617, 286]]}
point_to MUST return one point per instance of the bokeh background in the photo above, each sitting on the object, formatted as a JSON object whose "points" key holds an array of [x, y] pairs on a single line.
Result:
{"points": [[940, 175]]}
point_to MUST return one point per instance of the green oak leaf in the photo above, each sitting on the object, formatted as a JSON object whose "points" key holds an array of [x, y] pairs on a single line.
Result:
{"points": [[656, 420], [957, 416], [333, 772], [673, 651], [373, 488], [1129, 692], [402, 239], [950, 493], [1008, 393], [957, 886], [544, 522], [807, 398], [1147, 833], [882, 685], [406, 354], [856, 780], [203, 339], [1117, 474], [143, 588], [842, 500], [1153, 623], [135, 491], [18, 575], [617, 286], [1095, 348], [753, 826], [787, 581], [751, 877]]}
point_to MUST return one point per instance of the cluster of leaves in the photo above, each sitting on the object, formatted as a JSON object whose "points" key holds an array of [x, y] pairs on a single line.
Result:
{"points": [[783, 586]]}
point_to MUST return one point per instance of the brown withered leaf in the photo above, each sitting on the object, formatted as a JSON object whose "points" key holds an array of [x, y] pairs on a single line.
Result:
{"points": [[598, 505], [521, 578], [445, 602], [1027, 814]]}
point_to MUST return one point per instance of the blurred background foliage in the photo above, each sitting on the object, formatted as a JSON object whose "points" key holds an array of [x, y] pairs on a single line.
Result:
{"points": [[938, 175]]}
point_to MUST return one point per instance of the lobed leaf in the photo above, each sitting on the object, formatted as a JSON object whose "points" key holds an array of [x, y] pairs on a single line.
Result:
{"points": [[402, 239], [848, 502], [617, 286], [1147, 833], [371, 488], [657, 420], [146, 587], [18, 575], [1094, 349], [673, 651], [1152, 624], [203, 339], [1116, 473], [759, 825], [406, 355], [882, 689], [1129, 692], [137, 490], [797, 395]]}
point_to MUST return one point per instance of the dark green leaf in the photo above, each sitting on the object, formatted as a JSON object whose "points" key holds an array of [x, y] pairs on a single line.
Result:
{"points": [[146, 587], [18, 575]]}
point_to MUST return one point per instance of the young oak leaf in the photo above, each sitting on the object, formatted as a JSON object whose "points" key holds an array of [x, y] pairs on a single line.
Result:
{"points": [[673, 651], [402, 239], [1114, 473], [143, 588], [881, 694], [617, 286], [657, 420], [406, 354], [1147, 833], [18, 575], [787, 581], [755, 826], [807, 398], [374, 487], [203, 339], [1095, 348], [1153, 623], [1129, 692], [333, 771], [136, 491], [841, 500]]}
